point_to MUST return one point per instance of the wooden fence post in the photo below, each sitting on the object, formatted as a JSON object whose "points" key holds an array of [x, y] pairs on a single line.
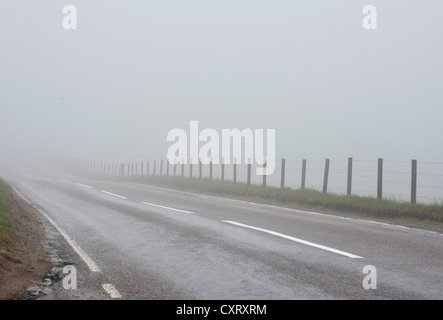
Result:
{"points": [[249, 173], [235, 171], [380, 179], [325, 178], [349, 185], [199, 169], [414, 182], [303, 174], [264, 173], [283, 165]]}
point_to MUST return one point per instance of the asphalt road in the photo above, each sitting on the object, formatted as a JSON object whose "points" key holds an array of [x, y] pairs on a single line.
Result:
{"points": [[132, 241]]}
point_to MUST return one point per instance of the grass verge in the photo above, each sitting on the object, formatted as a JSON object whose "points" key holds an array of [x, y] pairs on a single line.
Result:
{"points": [[6, 224]]}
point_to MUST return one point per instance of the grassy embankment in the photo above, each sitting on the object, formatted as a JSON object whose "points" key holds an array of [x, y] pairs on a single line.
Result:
{"points": [[6, 224], [367, 206]]}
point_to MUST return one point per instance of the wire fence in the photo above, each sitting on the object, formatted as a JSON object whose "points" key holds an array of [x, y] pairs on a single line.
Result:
{"points": [[390, 179]]}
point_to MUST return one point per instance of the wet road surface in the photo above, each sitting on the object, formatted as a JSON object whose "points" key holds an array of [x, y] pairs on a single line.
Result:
{"points": [[134, 241]]}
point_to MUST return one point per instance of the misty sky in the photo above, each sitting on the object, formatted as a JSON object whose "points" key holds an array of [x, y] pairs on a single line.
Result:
{"points": [[133, 70]]}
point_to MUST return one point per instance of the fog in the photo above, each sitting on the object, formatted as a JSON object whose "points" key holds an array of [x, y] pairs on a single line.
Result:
{"points": [[112, 89]]}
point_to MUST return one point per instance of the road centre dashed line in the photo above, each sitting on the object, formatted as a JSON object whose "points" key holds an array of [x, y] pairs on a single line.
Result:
{"points": [[281, 235], [111, 290], [84, 185], [270, 206], [169, 208], [308, 243], [126, 198], [113, 194]]}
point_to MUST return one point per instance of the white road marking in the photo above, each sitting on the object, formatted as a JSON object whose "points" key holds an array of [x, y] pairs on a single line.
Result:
{"points": [[84, 185], [112, 291], [270, 206], [113, 194], [89, 262], [308, 243], [21, 196], [169, 208]]}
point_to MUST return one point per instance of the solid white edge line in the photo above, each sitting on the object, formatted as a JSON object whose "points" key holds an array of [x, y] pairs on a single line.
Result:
{"points": [[112, 291], [164, 207], [308, 243], [21, 196], [113, 194], [83, 255]]}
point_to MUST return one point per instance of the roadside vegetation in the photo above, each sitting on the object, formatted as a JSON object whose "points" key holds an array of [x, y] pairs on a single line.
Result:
{"points": [[369, 206], [6, 224]]}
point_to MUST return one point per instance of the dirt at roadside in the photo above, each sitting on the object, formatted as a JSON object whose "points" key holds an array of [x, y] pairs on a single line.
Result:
{"points": [[24, 263]]}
